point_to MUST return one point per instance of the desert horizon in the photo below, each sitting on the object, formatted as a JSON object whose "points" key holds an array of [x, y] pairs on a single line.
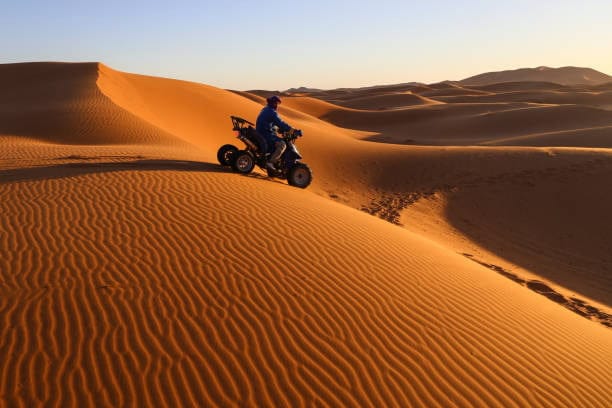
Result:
{"points": [[452, 248], [567, 75]]}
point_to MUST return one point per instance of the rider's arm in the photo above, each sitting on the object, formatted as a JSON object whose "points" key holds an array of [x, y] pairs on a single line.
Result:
{"points": [[282, 126]]}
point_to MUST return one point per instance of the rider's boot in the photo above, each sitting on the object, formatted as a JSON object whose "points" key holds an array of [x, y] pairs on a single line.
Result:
{"points": [[270, 166]]}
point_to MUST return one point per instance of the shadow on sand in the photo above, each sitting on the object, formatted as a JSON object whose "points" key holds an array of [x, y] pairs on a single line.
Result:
{"points": [[74, 169], [574, 304]]}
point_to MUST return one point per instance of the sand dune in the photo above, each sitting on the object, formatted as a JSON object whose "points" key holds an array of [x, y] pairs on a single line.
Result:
{"points": [[467, 124], [348, 93], [450, 90], [581, 137], [513, 113], [522, 86], [594, 99], [138, 272], [191, 112], [603, 87], [61, 103], [390, 96], [563, 75], [311, 106], [478, 123], [387, 101]]}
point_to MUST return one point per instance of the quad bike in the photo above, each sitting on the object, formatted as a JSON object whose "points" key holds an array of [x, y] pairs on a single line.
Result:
{"points": [[256, 153]]}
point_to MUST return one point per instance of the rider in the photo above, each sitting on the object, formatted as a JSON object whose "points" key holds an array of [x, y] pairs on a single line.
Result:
{"points": [[267, 119]]}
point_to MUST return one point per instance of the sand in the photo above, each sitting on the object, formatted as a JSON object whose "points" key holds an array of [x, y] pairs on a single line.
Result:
{"points": [[138, 272]]}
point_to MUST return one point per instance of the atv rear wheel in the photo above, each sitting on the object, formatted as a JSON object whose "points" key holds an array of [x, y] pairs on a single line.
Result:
{"points": [[225, 153], [243, 162], [300, 175]]}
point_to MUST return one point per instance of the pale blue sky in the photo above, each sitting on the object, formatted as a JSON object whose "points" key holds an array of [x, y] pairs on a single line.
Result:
{"points": [[280, 44]]}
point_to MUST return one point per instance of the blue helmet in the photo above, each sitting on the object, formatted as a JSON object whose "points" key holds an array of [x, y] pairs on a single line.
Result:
{"points": [[273, 100]]}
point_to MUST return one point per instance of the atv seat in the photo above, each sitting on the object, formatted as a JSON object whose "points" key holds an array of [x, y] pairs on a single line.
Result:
{"points": [[258, 139]]}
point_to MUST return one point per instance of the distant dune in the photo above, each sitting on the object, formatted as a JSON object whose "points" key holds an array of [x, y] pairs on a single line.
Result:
{"points": [[523, 79], [563, 76], [136, 271], [526, 113]]}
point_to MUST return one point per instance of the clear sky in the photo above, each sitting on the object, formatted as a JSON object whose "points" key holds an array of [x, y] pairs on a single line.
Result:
{"points": [[317, 43]]}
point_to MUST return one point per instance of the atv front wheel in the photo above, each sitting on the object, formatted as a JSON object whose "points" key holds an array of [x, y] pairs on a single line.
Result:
{"points": [[225, 153], [300, 175], [243, 162]]}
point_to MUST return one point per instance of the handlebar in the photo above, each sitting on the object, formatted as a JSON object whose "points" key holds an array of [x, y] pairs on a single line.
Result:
{"points": [[292, 134]]}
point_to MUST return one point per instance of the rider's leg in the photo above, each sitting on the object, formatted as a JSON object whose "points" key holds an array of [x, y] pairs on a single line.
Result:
{"points": [[280, 148]]}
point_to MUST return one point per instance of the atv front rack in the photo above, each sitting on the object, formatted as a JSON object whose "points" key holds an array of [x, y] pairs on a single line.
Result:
{"points": [[240, 123]]}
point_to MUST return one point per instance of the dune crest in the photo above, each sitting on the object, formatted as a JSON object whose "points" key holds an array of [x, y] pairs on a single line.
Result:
{"points": [[563, 76], [60, 103]]}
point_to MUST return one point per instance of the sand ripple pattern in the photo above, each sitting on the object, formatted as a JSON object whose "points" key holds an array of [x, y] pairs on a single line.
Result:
{"points": [[176, 288]]}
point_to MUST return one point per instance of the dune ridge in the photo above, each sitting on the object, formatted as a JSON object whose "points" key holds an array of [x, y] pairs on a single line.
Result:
{"points": [[563, 75], [60, 103], [138, 272]]}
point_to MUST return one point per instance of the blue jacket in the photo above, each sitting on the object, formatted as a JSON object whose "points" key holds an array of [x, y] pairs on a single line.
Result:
{"points": [[268, 118]]}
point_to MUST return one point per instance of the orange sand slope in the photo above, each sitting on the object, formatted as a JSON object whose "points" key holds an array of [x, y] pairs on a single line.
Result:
{"points": [[136, 271]]}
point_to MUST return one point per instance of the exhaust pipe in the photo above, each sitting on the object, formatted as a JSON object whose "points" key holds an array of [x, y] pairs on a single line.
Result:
{"points": [[251, 145]]}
